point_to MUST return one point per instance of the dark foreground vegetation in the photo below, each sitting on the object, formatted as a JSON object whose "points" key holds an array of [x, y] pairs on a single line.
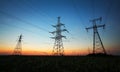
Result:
{"points": [[59, 64]]}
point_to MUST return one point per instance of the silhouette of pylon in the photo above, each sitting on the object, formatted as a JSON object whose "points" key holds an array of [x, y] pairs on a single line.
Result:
{"points": [[58, 48], [98, 46], [18, 48]]}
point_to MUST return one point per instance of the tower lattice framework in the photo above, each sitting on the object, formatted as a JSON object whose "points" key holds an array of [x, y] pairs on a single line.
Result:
{"points": [[18, 48], [58, 48], [98, 46]]}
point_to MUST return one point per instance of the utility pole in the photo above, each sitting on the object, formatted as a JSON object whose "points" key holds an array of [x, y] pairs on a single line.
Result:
{"points": [[18, 48], [98, 46], [58, 48]]}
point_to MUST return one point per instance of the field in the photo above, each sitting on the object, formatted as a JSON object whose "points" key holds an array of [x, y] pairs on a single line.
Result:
{"points": [[59, 64]]}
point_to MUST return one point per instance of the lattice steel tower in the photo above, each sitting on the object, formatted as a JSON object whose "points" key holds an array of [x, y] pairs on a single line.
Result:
{"points": [[98, 46], [58, 48], [18, 48]]}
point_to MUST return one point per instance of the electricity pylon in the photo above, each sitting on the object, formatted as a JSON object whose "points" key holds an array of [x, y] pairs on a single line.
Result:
{"points": [[58, 48], [98, 46], [18, 48]]}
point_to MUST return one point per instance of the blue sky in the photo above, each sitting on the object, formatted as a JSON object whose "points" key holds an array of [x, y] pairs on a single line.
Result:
{"points": [[33, 19]]}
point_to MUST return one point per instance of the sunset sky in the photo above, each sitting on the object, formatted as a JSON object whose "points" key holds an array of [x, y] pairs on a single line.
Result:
{"points": [[33, 19]]}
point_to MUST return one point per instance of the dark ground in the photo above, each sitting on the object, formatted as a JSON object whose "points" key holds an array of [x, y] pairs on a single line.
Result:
{"points": [[59, 64]]}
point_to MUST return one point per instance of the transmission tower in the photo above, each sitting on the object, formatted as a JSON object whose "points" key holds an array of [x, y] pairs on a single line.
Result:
{"points": [[18, 48], [98, 46], [58, 48]]}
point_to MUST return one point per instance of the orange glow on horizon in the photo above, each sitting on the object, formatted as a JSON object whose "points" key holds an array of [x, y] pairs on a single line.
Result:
{"points": [[8, 50], [5, 51]]}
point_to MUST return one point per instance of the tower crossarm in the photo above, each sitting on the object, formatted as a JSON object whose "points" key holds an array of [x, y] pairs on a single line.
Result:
{"points": [[54, 26], [89, 28], [58, 37], [95, 26], [53, 32], [63, 36], [59, 31], [65, 30], [58, 25], [98, 26]]}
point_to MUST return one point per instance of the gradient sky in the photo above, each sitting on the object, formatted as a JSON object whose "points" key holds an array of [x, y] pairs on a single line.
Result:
{"points": [[33, 19]]}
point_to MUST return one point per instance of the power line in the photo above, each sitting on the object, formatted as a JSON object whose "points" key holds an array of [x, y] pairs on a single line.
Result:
{"points": [[77, 11], [18, 28], [17, 18], [108, 11], [93, 7], [80, 17], [40, 12]]}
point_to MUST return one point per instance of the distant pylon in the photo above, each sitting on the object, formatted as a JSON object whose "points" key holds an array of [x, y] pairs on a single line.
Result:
{"points": [[18, 48], [98, 46], [58, 48], [89, 50]]}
